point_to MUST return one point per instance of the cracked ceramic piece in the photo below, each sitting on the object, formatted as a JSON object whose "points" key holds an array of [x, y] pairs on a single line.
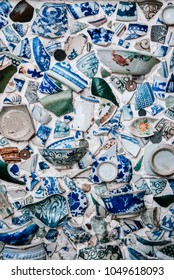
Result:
{"points": [[150, 8], [27, 252], [77, 199], [51, 20], [22, 12], [75, 233], [142, 127], [40, 114], [53, 206], [127, 62], [143, 96], [10, 34], [64, 157], [101, 252], [49, 85], [76, 26], [136, 30], [88, 64], [21, 235], [108, 8], [119, 170], [101, 88], [101, 36], [79, 10], [59, 104], [6, 74], [74, 46], [16, 123], [42, 135], [63, 72], [126, 11], [158, 33], [167, 13], [82, 121]]}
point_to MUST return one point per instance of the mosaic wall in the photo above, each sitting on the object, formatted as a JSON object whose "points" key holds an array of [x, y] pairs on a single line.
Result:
{"points": [[87, 126]]}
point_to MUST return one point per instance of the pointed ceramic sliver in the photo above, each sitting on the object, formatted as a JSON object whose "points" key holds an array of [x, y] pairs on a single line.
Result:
{"points": [[5, 76], [100, 88], [130, 144], [41, 56]]}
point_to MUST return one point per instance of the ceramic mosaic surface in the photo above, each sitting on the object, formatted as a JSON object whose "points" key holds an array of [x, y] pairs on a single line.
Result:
{"points": [[86, 129]]}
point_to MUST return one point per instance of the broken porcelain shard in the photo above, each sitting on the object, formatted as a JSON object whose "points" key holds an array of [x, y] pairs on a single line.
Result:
{"points": [[127, 62], [59, 104], [54, 210], [63, 72], [101, 88], [22, 12], [51, 20], [16, 123], [5, 175], [5, 75], [64, 157]]}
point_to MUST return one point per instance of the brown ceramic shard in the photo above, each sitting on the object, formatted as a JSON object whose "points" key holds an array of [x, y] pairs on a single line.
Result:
{"points": [[22, 12]]}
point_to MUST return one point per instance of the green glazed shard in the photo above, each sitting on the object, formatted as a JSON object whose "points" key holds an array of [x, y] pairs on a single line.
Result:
{"points": [[100, 88], [4, 174], [138, 165], [5, 76], [59, 104], [164, 200], [104, 73]]}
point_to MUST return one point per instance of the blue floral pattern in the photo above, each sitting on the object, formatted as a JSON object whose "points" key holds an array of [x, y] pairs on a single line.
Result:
{"points": [[101, 36], [51, 21], [83, 9]]}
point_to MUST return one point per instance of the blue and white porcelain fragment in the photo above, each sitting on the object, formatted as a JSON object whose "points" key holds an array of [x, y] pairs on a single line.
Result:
{"points": [[85, 9], [108, 8], [42, 58], [63, 72], [136, 30], [77, 199], [49, 85], [51, 20], [126, 11], [101, 36]]}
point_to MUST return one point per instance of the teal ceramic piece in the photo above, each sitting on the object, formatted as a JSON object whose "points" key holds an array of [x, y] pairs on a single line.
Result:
{"points": [[100, 88], [5, 76], [100, 210], [59, 104], [49, 212], [4, 174]]}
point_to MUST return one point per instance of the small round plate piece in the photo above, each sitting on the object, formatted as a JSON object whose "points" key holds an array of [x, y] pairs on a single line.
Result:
{"points": [[167, 15], [107, 171], [162, 160]]}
